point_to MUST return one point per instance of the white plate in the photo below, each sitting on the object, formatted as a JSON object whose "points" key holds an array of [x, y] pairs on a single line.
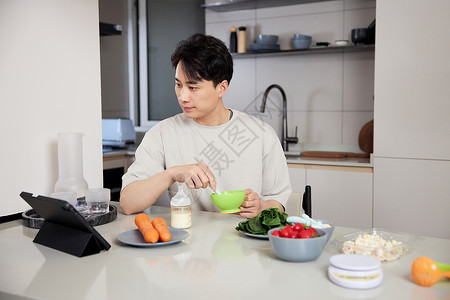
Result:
{"points": [[135, 238], [257, 236]]}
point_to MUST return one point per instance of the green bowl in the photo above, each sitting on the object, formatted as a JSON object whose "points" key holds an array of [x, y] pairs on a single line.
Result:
{"points": [[228, 202]]}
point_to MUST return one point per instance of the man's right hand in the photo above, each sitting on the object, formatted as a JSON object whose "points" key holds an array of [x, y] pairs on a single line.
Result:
{"points": [[195, 176]]}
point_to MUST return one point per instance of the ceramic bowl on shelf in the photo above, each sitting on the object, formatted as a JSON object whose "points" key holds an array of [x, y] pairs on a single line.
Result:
{"points": [[298, 250], [267, 39], [301, 41], [299, 36], [360, 36], [341, 42]]}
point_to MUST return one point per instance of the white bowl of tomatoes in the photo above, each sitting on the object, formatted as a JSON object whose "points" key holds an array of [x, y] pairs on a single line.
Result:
{"points": [[297, 243]]}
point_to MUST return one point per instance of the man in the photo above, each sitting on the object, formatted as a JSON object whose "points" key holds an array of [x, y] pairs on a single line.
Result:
{"points": [[207, 144]]}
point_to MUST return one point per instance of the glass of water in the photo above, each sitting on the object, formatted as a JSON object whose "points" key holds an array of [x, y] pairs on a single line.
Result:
{"points": [[97, 200]]}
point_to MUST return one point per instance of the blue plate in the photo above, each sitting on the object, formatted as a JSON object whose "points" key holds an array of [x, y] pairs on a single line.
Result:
{"points": [[264, 47], [135, 238], [256, 236]]}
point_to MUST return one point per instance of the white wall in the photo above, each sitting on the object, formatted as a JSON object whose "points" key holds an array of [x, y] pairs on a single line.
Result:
{"points": [[49, 83], [329, 96]]}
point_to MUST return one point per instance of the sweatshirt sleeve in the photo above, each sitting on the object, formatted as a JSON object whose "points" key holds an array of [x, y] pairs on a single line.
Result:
{"points": [[276, 183], [149, 158]]}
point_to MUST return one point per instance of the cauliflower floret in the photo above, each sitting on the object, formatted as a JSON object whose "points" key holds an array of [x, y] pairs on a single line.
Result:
{"points": [[374, 245]]}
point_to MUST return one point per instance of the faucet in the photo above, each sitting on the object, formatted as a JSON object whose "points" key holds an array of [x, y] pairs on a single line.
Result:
{"points": [[285, 140]]}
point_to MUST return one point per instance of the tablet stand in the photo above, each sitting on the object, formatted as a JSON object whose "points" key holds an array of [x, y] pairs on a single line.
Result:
{"points": [[64, 228], [68, 240]]}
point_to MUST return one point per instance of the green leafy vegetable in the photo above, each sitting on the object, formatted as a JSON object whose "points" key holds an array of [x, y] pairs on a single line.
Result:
{"points": [[264, 221]]}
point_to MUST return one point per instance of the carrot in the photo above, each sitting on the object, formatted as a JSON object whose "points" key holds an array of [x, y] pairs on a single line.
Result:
{"points": [[161, 226], [145, 226]]}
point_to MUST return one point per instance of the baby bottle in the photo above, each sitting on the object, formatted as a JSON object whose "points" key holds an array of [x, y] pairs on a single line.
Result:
{"points": [[180, 207]]}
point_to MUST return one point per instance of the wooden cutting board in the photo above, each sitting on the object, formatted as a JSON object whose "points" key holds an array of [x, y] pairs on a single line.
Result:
{"points": [[332, 154], [365, 139]]}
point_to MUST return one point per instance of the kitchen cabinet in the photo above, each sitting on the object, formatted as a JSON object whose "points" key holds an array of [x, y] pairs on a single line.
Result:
{"points": [[413, 112], [117, 161], [297, 175], [411, 193], [114, 166], [340, 194], [412, 130]]}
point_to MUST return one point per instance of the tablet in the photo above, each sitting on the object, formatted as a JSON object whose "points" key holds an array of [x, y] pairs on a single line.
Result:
{"points": [[64, 227]]}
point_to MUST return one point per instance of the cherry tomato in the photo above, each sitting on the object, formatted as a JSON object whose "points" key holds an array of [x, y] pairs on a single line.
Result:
{"points": [[288, 228], [305, 234], [284, 233], [312, 229], [313, 232], [293, 234], [276, 233], [298, 227]]}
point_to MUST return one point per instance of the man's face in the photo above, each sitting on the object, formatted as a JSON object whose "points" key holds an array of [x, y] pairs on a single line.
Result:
{"points": [[200, 100]]}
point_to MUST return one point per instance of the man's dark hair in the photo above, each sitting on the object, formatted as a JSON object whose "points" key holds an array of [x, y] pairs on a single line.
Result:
{"points": [[204, 57]]}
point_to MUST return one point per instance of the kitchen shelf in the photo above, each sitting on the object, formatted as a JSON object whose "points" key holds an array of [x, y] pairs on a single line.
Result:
{"points": [[232, 5], [314, 50], [110, 29]]}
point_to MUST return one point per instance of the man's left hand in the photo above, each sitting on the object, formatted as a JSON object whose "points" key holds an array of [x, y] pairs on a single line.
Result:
{"points": [[252, 205]]}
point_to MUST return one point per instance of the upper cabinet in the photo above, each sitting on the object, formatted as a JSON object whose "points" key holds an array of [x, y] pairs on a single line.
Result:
{"points": [[232, 5]]}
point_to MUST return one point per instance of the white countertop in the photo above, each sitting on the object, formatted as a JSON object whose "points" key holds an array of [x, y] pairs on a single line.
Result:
{"points": [[214, 262], [344, 162], [119, 152], [291, 158]]}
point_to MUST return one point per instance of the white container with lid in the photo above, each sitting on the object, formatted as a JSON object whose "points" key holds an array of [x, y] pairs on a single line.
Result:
{"points": [[180, 210], [355, 271]]}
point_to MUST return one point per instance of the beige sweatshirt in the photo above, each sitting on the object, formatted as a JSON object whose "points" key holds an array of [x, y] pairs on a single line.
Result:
{"points": [[243, 153]]}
